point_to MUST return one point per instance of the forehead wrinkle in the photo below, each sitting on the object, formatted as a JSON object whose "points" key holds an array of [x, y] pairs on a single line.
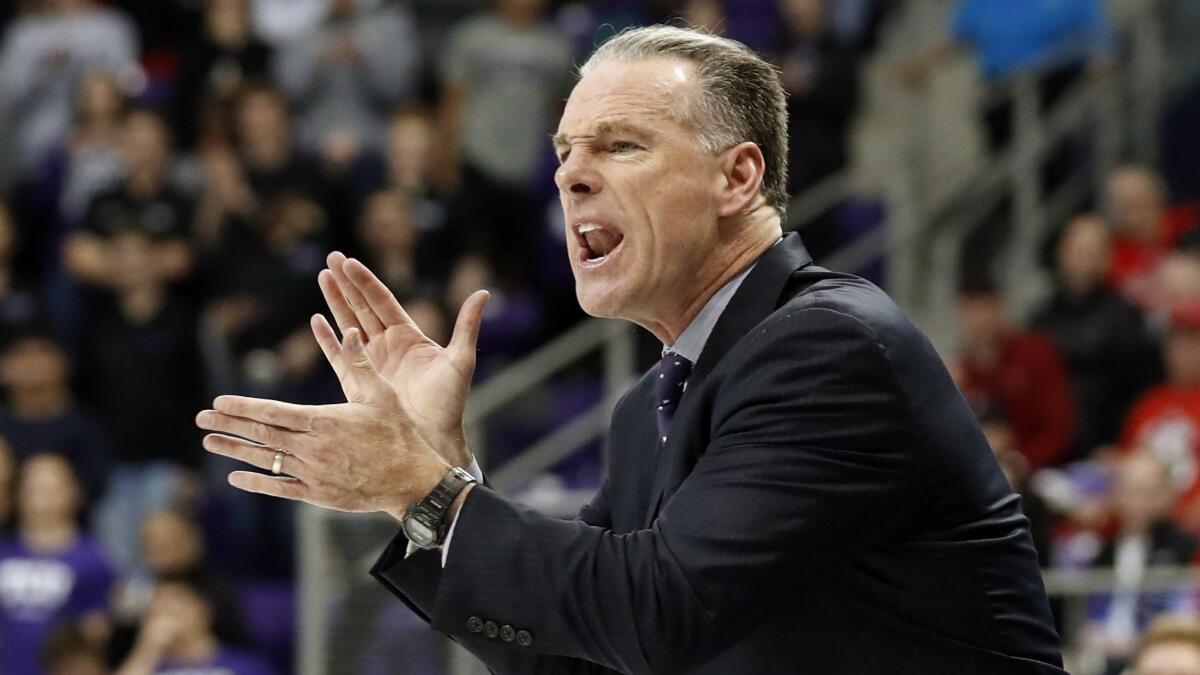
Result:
{"points": [[632, 113]]}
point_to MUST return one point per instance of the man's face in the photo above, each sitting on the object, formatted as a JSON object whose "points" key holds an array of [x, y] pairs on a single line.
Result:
{"points": [[639, 193]]}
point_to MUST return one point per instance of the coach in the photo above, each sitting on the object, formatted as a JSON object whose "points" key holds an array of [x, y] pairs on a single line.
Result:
{"points": [[796, 487]]}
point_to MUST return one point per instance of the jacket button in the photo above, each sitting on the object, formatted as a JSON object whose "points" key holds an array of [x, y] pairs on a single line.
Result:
{"points": [[475, 624], [490, 629], [524, 638], [507, 633]]}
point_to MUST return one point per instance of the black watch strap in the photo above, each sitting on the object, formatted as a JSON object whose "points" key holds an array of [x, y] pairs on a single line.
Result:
{"points": [[425, 522]]}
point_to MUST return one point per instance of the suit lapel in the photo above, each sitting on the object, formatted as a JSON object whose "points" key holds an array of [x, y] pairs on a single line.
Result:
{"points": [[755, 299]]}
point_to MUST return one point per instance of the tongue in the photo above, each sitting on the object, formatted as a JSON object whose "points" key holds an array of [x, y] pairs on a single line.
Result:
{"points": [[602, 242]]}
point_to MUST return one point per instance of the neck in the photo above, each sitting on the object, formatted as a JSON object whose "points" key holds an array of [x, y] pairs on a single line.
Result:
{"points": [[141, 304], [266, 154], [145, 182], [40, 403], [50, 536], [196, 647], [1077, 289], [751, 236]]}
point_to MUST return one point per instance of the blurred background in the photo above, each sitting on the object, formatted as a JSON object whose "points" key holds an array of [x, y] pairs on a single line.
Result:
{"points": [[1023, 177]]}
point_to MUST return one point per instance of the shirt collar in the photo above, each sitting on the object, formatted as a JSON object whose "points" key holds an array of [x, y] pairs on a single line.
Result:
{"points": [[691, 341]]}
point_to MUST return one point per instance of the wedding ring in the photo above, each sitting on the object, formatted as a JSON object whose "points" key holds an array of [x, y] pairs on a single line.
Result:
{"points": [[277, 465]]}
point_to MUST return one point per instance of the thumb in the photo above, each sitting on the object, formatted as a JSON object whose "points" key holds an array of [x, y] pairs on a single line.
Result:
{"points": [[370, 383], [466, 328]]}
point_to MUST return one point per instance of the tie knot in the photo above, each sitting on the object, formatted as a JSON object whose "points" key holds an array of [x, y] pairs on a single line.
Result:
{"points": [[673, 372]]}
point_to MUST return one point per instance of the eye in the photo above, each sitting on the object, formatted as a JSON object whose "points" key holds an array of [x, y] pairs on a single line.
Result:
{"points": [[623, 146], [562, 156]]}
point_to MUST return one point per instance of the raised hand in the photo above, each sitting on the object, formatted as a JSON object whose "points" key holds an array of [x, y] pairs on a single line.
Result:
{"points": [[430, 381]]}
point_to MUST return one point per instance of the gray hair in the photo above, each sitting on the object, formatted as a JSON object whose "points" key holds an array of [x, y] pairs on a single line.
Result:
{"points": [[741, 97]]}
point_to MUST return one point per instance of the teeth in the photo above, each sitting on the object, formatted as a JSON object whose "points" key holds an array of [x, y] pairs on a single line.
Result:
{"points": [[588, 227]]}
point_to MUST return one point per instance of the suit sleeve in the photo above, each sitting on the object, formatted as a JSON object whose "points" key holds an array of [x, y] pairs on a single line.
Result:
{"points": [[807, 468], [415, 578]]}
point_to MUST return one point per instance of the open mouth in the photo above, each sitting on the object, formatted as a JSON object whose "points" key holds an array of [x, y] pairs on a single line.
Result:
{"points": [[597, 242]]}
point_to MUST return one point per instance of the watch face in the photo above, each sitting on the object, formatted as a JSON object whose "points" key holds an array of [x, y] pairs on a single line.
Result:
{"points": [[418, 533]]}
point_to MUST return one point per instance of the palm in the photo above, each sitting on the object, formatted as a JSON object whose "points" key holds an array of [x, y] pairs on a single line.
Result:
{"points": [[431, 381]]}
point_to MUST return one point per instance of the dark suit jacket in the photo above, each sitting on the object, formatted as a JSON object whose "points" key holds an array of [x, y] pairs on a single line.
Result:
{"points": [[826, 504]]}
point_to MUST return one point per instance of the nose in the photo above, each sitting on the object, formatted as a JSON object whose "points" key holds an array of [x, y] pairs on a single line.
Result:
{"points": [[576, 177]]}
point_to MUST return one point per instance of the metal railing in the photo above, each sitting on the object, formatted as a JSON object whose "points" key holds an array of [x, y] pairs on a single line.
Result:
{"points": [[1073, 590]]}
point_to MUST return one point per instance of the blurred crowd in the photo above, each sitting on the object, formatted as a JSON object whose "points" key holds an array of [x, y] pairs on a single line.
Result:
{"points": [[1093, 405], [175, 172]]}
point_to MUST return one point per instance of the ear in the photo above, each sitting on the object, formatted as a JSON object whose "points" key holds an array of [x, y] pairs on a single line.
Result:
{"points": [[743, 167]]}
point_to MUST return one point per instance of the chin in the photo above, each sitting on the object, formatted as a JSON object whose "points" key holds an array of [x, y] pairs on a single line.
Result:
{"points": [[600, 302]]}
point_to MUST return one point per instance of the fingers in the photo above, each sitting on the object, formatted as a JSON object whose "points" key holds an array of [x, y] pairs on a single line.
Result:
{"points": [[367, 319], [372, 385], [273, 486], [466, 328], [264, 434], [342, 314], [327, 340], [256, 455], [381, 300], [273, 413]]}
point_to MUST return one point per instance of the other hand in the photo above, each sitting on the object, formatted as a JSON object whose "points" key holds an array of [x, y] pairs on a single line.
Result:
{"points": [[431, 381]]}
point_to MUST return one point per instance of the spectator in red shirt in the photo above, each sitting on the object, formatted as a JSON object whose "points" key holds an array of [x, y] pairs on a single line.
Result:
{"points": [[1145, 229], [1166, 420], [1018, 372]]}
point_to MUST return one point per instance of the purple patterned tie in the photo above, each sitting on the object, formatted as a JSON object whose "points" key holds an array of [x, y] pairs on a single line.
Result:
{"points": [[673, 371]]}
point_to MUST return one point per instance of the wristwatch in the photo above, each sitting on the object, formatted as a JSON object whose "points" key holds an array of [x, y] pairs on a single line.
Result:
{"points": [[425, 522]]}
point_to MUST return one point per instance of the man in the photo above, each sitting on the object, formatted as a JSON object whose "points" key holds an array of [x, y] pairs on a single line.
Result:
{"points": [[818, 500]]}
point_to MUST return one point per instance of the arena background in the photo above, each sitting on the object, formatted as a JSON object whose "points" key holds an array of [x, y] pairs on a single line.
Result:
{"points": [[1024, 182]]}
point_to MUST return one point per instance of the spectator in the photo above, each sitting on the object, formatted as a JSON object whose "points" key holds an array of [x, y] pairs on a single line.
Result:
{"points": [[90, 161], [227, 55], [45, 55], [263, 133], [410, 154], [146, 200], [1053, 39], [177, 636], [262, 165], [821, 75], [172, 545], [504, 75], [140, 371], [51, 570], [345, 75], [1053, 43], [1145, 536], [41, 414], [1170, 646], [1165, 420], [1094, 328], [1017, 372], [1145, 230], [390, 242], [263, 295]]}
